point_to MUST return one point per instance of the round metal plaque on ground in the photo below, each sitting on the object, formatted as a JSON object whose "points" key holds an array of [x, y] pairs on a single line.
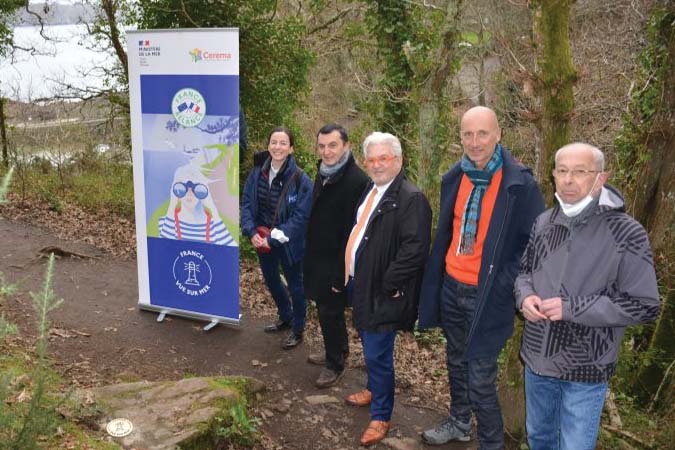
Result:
{"points": [[119, 427]]}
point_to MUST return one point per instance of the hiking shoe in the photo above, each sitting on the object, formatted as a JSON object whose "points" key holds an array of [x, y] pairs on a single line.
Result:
{"points": [[328, 378], [318, 358], [291, 341], [449, 430], [278, 325]]}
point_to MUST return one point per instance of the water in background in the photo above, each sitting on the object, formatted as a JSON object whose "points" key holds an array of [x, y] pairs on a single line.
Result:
{"points": [[68, 59]]}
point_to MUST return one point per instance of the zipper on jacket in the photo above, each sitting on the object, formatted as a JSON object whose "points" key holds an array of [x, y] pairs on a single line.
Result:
{"points": [[492, 260]]}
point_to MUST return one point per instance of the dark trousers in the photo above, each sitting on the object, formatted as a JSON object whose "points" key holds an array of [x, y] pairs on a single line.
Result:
{"points": [[473, 381], [296, 311], [378, 351], [331, 310]]}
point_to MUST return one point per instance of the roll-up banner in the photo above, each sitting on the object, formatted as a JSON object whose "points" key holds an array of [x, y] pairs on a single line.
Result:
{"points": [[184, 98]]}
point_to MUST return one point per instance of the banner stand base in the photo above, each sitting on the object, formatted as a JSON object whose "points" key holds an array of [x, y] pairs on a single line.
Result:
{"points": [[211, 320], [210, 325]]}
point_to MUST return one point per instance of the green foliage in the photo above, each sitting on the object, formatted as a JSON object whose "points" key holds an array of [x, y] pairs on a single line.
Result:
{"points": [[4, 184], [430, 338], [238, 428], [25, 423], [274, 61], [391, 23], [631, 148], [91, 181], [6, 288], [7, 7]]}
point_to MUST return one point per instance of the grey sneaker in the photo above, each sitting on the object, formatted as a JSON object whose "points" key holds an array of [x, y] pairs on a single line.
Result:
{"points": [[448, 430]]}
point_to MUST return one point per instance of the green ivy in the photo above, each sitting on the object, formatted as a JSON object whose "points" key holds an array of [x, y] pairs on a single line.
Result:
{"points": [[630, 144]]}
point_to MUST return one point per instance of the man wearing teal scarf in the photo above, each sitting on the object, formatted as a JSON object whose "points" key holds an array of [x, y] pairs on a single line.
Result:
{"points": [[488, 204]]}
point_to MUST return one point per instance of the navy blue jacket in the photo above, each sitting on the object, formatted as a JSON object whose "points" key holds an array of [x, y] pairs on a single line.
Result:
{"points": [[293, 212], [518, 204]]}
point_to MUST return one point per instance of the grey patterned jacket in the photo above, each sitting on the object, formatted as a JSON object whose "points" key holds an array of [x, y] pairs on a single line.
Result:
{"points": [[600, 264]]}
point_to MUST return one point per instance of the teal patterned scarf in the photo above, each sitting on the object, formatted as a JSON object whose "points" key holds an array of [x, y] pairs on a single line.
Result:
{"points": [[481, 180]]}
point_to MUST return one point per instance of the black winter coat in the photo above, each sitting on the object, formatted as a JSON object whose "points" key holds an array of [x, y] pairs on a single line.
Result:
{"points": [[518, 204], [391, 258], [330, 222]]}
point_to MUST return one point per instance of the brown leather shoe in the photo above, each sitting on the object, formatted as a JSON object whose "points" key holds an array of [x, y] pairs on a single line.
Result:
{"points": [[361, 398], [376, 431]]}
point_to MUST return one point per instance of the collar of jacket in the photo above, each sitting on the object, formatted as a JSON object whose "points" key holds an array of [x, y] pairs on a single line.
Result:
{"points": [[512, 171], [392, 191], [337, 175], [610, 199], [287, 169]]}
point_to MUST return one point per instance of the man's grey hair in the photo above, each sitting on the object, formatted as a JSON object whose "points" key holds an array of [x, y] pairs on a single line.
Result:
{"points": [[598, 156], [377, 137]]}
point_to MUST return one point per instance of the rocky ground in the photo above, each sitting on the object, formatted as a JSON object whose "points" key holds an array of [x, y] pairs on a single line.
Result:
{"points": [[99, 337]]}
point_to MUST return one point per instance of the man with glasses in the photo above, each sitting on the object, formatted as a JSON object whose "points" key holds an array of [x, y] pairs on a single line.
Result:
{"points": [[383, 264], [338, 185], [586, 274], [488, 204]]}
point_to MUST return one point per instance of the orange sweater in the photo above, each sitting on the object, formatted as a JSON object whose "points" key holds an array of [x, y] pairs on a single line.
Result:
{"points": [[465, 268]]}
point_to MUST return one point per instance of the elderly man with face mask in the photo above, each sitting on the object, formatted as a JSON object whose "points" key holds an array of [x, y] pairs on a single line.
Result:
{"points": [[587, 273]]}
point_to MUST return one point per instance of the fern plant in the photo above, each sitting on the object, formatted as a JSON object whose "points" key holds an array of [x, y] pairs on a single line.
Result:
{"points": [[25, 424]]}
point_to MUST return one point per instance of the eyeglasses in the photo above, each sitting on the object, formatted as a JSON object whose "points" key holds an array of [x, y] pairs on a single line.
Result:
{"points": [[384, 159], [576, 173], [200, 190]]}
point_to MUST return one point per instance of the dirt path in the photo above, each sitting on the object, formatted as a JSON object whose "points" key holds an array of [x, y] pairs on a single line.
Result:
{"points": [[99, 336]]}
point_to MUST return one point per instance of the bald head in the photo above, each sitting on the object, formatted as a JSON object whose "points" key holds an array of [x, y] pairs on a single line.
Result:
{"points": [[480, 133], [581, 148], [483, 114]]}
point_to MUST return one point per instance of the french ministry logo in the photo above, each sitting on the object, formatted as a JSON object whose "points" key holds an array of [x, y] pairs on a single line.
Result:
{"points": [[145, 48]]}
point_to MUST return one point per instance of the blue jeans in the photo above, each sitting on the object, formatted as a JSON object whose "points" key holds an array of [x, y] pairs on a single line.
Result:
{"points": [[562, 415], [269, 265], [378, 351], [473, 385]]}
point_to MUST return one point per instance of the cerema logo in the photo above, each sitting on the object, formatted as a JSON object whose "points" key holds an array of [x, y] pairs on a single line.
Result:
{"points": [[196, 54]]}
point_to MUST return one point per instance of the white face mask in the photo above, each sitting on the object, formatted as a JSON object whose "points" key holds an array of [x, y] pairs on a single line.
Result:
{"points": [[574, 209]]}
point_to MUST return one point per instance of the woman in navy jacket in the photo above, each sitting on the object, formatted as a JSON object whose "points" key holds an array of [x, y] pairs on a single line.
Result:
{"points": [[275, 172]]}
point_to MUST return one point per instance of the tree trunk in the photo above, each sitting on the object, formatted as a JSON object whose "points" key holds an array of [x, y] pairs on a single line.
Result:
{"points": [[555, 82], [434, 103], [392, 29], [654, 207], [3, 134]]}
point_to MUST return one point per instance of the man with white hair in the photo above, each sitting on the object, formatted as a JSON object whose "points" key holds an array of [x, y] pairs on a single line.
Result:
{"points": [[383, 264], [587, 273]]}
